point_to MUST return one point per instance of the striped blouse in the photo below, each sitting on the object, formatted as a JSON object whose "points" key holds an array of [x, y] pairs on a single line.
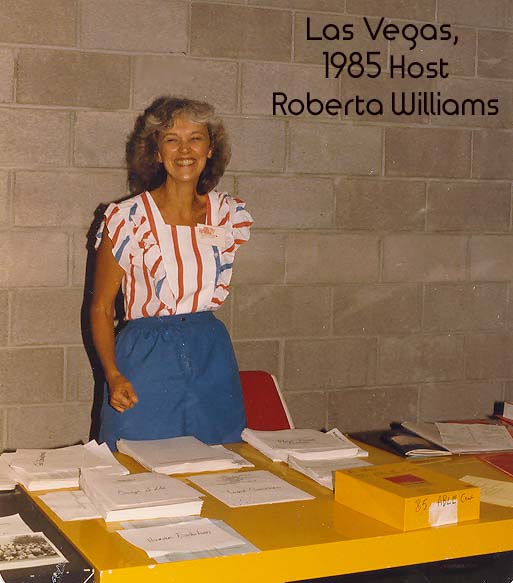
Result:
{"points": [[174, 269]]}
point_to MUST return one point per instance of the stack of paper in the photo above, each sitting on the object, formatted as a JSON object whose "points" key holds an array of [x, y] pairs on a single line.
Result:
{"points": [[138, 496], [249, 488], [180, 455], [322, 470], [305, 444], [187, 540], [47, 469]]}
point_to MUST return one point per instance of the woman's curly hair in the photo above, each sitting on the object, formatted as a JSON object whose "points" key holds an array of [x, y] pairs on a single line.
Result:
{"points": [[144, 171]]}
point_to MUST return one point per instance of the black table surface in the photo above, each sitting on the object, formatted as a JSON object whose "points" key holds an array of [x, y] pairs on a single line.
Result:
{"points": [[76, 570]]}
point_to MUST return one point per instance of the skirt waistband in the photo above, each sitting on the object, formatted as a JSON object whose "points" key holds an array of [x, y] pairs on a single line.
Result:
{"points": [[170, 321]]}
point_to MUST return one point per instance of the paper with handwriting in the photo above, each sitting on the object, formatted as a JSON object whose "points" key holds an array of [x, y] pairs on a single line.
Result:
{"points": [[249, 488]]}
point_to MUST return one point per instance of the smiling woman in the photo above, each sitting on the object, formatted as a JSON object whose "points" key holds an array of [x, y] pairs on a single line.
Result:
{"points": [[171, 371]]}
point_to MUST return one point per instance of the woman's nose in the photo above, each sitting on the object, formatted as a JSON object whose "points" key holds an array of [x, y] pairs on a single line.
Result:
{"points": [[184, 146]]}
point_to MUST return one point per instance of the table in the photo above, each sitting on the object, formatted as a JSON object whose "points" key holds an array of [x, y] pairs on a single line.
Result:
{"points": [[76, 570], [299, 540]]}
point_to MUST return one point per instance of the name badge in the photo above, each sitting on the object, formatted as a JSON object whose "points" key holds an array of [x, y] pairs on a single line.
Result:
{"points": [[208, 235]]}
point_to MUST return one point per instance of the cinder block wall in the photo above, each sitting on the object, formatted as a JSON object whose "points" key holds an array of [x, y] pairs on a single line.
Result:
{"points": [[377, 284]]}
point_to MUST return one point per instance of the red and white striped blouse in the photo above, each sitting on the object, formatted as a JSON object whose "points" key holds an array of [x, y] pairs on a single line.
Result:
{"points": [[173, 269]]}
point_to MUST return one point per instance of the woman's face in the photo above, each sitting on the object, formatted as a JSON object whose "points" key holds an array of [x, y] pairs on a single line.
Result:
{"points": [[183, 149]]}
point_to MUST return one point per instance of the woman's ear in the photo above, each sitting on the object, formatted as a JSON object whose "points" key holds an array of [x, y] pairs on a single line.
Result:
{"points": [[159, 157], [209, 155]]}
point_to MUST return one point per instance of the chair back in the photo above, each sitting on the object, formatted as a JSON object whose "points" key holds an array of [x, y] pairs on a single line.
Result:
{"points": [[265, 407]]}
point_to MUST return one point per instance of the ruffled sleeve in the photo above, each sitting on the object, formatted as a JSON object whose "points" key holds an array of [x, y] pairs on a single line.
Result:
{"points": [[240, 220], [237, 222], [116, 221]]}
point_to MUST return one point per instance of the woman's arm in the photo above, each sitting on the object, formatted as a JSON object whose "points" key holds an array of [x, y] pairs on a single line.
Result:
{"points": [[107, 279]]}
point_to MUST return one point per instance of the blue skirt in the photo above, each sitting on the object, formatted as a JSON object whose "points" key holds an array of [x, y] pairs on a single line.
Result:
{"points": [[184, 372]]}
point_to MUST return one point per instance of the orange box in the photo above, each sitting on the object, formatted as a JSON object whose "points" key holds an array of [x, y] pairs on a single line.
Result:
{"points": [[407, 496]]}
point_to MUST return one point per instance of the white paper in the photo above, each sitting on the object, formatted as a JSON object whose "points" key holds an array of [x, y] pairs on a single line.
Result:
{"points": [[28, 550], [322, 470], [474, 437], [13, 524], [70, 505], [194, 536], [440, 515], [492, 491], [249, 488]]}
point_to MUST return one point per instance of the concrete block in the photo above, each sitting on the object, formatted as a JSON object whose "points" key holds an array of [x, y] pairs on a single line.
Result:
{"points": [[53, 199], [494, 54], [5, 217], [373, 408], [420, 358], [42, 22], [262, 260], [48, 426], [465, 307], [334, 149], [21, 127], [329, 363], [258, 145], [317, 5], [260, 80], [7, 64], [100, 138], [485, 103], [460, 57], [31, 375], [4, 317], [409, 10], [449, 401], [380, 100], [33, 258], [309, 44], [206, 80], [79, 258], [488, 356], [308, 410], [492, 155], [79, 375], [268, 311], [437, 152], [288, 202], [57, 313], [498, 13], [490, 258], [73, 78], [158, 26], [332, 259], [258, 355], [377, 309], [247, 33], [380, 205], [468, 206], [418, 258]]}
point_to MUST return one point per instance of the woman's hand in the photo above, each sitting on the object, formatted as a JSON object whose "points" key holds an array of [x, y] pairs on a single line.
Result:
{"points": [[122, 394]]}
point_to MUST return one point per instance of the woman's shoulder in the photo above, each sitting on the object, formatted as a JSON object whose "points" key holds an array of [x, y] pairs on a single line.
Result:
{"points": [[130, 209]]}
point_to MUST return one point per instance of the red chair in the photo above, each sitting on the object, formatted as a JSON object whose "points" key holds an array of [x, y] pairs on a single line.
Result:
{"points": [[265, 407]]}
